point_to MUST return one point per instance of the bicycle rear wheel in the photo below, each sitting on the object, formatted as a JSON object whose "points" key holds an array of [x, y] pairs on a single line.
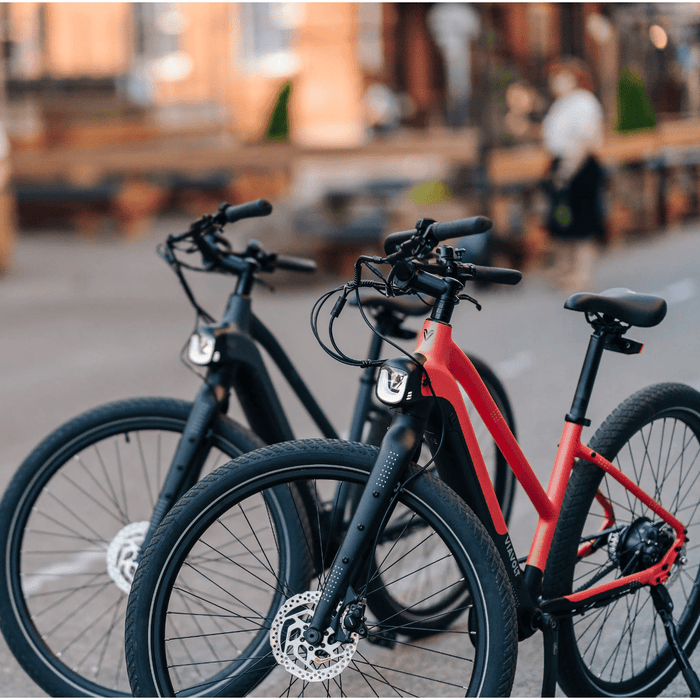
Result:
{"points": [[175, 647], [620, 649], [71, 523]]}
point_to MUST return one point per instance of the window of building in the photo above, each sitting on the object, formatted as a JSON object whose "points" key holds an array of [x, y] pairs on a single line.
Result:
{"points": [[267, 33]]}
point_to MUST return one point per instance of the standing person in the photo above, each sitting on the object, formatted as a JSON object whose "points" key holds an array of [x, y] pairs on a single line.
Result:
{"points": [[572, 132]]}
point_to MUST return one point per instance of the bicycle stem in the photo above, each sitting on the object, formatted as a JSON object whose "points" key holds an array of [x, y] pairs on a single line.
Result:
{"points": [[398, 447]]}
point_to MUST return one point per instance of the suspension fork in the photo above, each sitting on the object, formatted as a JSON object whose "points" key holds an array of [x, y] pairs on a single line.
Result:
{"points": [[191, 450], [363, 406], [397, 449]]}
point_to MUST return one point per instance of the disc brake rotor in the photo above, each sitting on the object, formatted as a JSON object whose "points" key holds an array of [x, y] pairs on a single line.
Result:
{"points": [[299, 657], [123, 553]]}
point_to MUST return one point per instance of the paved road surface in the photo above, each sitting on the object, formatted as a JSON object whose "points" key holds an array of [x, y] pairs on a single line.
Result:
{"points": [[85, 322]]}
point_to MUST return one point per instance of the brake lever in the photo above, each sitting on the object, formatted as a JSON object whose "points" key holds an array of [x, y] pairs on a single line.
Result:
{"points": [[165, 251], [264, 283], [219, 238], [420, 245], [176, 239]]}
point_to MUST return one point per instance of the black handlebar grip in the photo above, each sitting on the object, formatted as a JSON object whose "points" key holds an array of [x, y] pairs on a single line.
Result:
{"points": [[461, 228], [394, 240], [260, 207], [497, 275], [287, 262]]}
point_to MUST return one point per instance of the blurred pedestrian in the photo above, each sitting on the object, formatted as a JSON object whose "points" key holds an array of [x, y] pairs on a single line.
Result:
{"points": [[572, 131]]}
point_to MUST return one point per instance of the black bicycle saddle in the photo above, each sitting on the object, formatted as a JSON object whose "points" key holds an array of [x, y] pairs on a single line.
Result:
{"points": [[643, 310]]}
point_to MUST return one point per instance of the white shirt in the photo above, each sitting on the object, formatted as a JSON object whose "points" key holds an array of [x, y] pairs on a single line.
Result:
{"points": [[573, 128]]}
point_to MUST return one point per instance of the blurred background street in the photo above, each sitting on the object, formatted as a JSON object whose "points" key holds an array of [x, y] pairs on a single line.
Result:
{"points": [[123, 122], [354, 118]]}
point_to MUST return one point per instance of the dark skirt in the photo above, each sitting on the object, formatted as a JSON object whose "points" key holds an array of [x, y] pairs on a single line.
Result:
{"points": [[576, 211]]}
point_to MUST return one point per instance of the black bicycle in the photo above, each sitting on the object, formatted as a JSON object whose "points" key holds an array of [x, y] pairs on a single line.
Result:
{"points": [[81, 507]]}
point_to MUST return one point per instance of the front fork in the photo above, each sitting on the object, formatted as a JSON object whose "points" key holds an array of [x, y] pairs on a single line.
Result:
{"points": [[397, 449], [190, 454]]}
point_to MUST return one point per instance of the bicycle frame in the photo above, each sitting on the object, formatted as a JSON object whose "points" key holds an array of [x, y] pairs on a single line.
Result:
{"points": [[242, 369], [461, 465], [448, 368]]}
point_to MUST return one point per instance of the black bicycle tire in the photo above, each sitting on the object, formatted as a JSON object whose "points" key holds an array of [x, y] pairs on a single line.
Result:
{"points": [[306, 459], [614, 437], [43, 464]]}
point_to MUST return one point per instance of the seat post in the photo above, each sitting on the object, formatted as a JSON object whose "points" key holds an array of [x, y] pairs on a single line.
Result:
{"points": [[591, 362]]}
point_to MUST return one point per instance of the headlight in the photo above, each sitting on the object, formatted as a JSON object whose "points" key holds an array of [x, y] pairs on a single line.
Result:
{"points": [[391, 385], [201, 349]]}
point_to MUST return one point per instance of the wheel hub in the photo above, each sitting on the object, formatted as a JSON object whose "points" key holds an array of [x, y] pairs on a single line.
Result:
{"points": [[642, 545], [302, 659], [123, 553]]}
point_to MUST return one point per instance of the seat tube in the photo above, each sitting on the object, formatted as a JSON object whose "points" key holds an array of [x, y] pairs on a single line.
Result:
{"points": [[586, 380]]}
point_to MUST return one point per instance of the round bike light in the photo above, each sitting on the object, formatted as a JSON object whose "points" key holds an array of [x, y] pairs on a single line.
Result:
{"points": [[201, 349], [391, 385]]}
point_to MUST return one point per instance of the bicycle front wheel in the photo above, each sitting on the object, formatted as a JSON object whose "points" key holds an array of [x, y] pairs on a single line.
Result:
{"points": [[620, 649], [209, 585], [71, 523]]}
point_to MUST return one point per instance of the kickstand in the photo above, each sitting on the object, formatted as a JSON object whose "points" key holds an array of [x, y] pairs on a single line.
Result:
{"points": [[664, 606], [550, 636]]}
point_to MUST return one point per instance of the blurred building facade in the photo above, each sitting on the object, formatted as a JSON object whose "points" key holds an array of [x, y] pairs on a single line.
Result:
{"points": [[81, 76], [234, 57]]}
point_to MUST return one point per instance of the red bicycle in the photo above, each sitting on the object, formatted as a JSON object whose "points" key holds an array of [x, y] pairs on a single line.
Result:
{"points": [[609, 578]]}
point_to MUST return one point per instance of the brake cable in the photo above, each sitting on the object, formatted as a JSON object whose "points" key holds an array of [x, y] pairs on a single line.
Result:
{"points": [[167, 252]]}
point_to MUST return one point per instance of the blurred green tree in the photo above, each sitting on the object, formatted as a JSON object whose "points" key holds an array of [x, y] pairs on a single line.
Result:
{"points": [[278, 126], [634, 109]]}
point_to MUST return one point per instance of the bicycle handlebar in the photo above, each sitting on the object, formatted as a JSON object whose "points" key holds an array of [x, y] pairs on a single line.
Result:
{"points": [[435, 233], [417, 244], [248, 210], [288, 262], [430, 279], [217, 253], [497, 275], [461, 228]]}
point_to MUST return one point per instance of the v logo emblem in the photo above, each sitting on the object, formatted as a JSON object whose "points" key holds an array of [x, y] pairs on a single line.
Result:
{"points": [[427, 334]]}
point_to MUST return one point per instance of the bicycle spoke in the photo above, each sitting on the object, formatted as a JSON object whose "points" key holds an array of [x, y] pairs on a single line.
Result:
{"points": [[120, 472], [111, 498], [121, 507], [146, 478]]}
